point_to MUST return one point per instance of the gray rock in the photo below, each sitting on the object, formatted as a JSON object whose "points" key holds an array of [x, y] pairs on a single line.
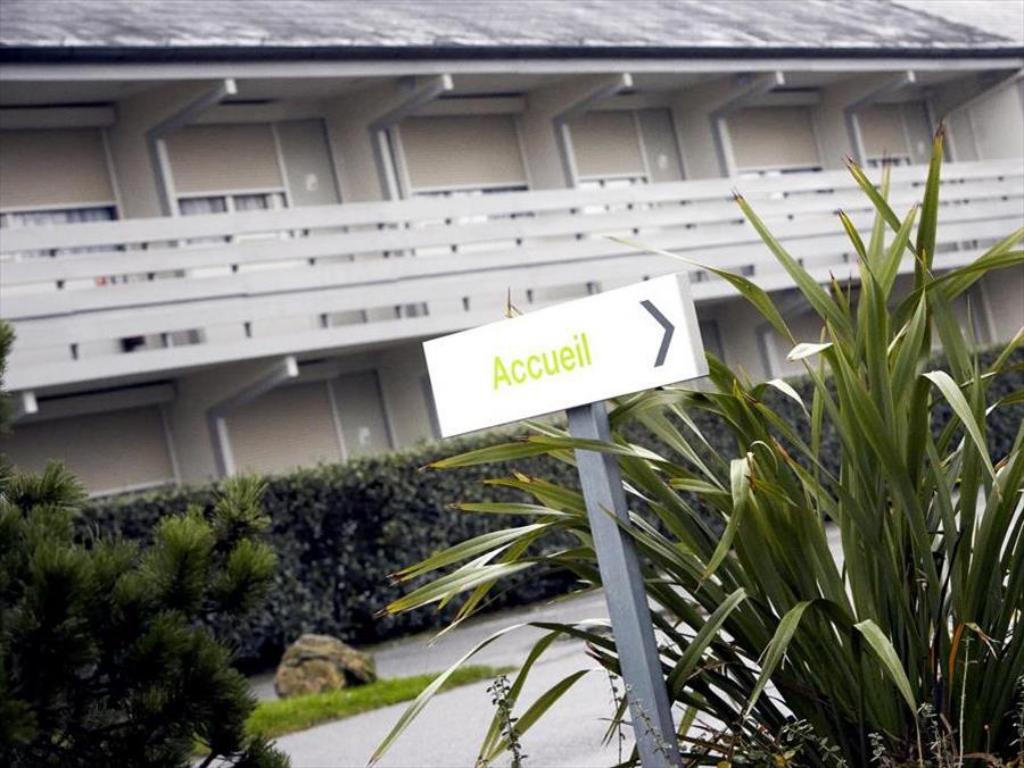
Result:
{"points": [[316, 663]]}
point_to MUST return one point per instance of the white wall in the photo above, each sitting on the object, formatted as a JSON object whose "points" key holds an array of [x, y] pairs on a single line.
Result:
{"points": [[997, 122]]}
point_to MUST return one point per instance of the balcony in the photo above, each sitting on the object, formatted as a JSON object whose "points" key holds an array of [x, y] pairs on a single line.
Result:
{"points": [[146, 297]]}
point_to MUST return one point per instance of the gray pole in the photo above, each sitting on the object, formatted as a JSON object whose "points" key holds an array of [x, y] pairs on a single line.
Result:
{"points": [[624, 591]]}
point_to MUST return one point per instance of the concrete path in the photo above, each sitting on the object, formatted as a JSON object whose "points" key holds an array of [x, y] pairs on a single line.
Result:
{"points": [[449, 731], [447, 734]]}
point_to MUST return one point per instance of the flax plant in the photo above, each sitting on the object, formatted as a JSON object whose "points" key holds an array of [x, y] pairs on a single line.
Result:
{"points": [[760, 630]]}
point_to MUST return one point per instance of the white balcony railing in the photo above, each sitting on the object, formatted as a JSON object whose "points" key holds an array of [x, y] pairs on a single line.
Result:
{"points": [[172, 293]]}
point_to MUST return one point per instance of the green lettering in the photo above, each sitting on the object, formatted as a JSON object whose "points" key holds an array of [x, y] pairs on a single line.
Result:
{"points": [[550, 368], [568, 358], [520, 377], [539, 365], [500, 374], [534, 373]]}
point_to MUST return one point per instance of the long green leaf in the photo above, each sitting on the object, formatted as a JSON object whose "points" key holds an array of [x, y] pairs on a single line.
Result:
{"points": [[494, 731], [739, 473], [885, 652], [960, 407], [536, 710], [776, 650], [469, 548], [708, 633], [490, 455], [930, 208], [809, 287], [421, 701]]}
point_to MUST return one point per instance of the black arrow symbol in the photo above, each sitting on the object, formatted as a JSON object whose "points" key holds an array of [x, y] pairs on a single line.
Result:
{"points": [[669, 330]]}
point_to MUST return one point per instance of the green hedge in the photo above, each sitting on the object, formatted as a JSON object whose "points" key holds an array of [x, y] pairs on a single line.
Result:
{"points": [[339, 530]]}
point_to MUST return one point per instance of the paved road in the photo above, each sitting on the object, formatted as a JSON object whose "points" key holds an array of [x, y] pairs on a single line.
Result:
{"points": [[448, 732]]}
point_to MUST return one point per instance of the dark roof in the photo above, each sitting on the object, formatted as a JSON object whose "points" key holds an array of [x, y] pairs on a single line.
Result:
{"points": [[228, 29]]}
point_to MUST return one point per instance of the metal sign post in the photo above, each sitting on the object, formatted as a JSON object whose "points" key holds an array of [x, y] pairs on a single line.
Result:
{"points": [[624, 592], [573, 357]]}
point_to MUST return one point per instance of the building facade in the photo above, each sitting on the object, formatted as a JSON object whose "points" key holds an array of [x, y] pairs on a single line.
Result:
{"points": [[223, 243]]}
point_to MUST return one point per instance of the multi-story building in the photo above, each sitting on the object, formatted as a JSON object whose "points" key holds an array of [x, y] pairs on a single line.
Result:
{"points": [[227, 227]]}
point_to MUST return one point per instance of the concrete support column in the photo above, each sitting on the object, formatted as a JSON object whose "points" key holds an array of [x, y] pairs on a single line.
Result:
{"points": [[156, 139], [130, 151], [384, 138], [188, 415], [217, 414], [360, 126], [543, 140], [835, 119], [348, 118], [699, 114]]}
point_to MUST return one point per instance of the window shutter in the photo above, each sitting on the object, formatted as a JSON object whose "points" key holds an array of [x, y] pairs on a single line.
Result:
{"points": [[286, 428], [462, 151], [222, 158], [108, 451], [881, 130], [606, 144], [772, 137], [60, 168]]}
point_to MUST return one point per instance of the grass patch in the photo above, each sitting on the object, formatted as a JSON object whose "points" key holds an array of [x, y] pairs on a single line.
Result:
{"points": [[276, 718]]}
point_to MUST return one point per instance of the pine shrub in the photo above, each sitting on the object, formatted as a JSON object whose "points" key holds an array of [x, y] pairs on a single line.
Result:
{"points": [[106, 653]]}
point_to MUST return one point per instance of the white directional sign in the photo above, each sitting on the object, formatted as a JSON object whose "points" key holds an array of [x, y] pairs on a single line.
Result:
{"points": [[573, 357], [583, 351]]}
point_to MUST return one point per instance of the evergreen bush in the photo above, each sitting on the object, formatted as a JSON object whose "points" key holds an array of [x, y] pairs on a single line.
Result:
{"points": [[103, 659]]}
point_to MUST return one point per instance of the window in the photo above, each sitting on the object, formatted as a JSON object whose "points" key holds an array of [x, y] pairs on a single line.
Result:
{"points": [[50, 218], [471, 219], [883, 136], [607, 148], [290, 426], [259, 201], [616, 149], [54, 169], [109, 451], [462, 156], [766, 141], [226, 168], [231, 203], [52, 177], [463, 152], [56, 217], [209, 159]]}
